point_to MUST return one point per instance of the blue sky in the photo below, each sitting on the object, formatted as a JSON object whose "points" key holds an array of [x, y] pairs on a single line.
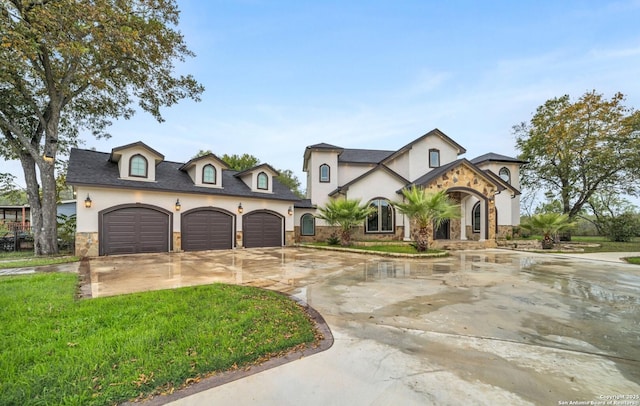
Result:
{"points": [[282, 75]]}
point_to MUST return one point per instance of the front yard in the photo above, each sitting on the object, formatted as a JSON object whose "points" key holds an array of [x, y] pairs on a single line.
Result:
{"points": [[57, 349]]}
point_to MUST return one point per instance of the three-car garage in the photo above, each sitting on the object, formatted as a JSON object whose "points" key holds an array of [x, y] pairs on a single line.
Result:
{"points": [[138, 228]]}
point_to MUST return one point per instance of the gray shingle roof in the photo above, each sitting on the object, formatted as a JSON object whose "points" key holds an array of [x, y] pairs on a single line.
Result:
{"points": [[496, 158], [92, 168], [363, 156]]}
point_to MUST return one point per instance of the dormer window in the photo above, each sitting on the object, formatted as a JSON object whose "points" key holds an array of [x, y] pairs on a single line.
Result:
{"points": [[505, 175], [138, 166], [263, 181], [434, 158], [325, 173], [209, 174]]}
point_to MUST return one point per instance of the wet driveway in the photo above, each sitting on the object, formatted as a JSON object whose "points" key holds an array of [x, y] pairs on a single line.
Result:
{"points": [[478, 327]]}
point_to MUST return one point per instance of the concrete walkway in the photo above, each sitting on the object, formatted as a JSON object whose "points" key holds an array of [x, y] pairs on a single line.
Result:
{"points": [[478, 327]]}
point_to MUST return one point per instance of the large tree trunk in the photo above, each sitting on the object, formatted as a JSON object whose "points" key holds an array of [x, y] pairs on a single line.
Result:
{"points": [[42, 204]]}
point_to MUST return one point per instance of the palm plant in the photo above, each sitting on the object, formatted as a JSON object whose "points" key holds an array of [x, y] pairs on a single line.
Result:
{"points": [[345, 213], [426, 209], [549, 224]]}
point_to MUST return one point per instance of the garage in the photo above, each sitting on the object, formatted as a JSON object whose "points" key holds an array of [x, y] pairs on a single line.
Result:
{"points": [[262, 229], [134, 229], [207, 229]]}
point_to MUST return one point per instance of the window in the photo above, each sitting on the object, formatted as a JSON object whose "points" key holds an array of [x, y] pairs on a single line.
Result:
{"points": [[209, 174], [263, 181], [475, 217], [325, 173], [138, 166], [308, 225], [381, 220], [505, 175], [434, 158]]}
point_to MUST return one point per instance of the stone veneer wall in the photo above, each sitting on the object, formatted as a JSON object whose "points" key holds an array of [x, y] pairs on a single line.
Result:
{"points": [[324, 232], [87, 245]]}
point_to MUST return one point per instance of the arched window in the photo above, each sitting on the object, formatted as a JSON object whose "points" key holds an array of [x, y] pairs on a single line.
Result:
{"points": [[434, 158], [325, 173], [308, 224], [138, 166], [505, 175], [263, 181], [381, 219], [209, 174], [475, 218]]}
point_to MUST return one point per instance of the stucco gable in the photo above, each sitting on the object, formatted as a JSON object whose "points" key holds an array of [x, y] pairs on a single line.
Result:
{"points": [[460, 173], [117, 152], [433, 133], [363, 178]]}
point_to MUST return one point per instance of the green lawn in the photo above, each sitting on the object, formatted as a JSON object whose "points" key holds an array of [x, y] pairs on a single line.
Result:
{"points": [[392, 248], [633, 260], [23, 259], [60, 350], [608, 246]]}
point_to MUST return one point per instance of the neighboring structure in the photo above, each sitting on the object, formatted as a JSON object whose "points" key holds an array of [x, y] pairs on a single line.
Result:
{"points": [[487, 188], [132, 201]]}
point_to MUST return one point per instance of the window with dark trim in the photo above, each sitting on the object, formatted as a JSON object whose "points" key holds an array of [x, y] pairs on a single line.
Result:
{"points": [[475, 217], [434, 158], [325, 173], [505, 175], [138, 166], [307, 224], [263, 181], [209, 174], [381, 219]]}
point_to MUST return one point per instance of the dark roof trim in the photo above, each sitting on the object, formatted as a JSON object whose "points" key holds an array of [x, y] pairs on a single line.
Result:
{"points": [[500, 181], [493, 157], [141, 144], [202, 158], [346, 186], [435, 132], [257, 167]]}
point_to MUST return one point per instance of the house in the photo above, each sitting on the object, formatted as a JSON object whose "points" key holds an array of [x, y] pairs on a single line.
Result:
{"points": [[486, 188], [132, 200]]}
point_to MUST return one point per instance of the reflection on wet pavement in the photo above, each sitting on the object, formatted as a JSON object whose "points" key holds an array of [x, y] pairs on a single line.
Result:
{"points": [[495, 311]]}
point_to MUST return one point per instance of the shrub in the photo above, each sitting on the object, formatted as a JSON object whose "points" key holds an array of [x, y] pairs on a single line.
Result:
{"points": [[622, 228]]}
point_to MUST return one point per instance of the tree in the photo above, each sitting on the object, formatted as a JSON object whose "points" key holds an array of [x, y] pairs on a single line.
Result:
{"points": [[426, 210], [345, 213], [577, 149], [240, 162], [290, 180], [549, 224], [68, 65]]}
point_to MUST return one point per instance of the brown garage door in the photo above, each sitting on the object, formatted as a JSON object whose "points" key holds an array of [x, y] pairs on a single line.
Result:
{"points": [[207, 229], [132, 230], [262, 229]]}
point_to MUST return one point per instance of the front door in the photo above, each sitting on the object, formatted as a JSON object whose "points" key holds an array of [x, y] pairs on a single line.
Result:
{"points": [[442, 232]]}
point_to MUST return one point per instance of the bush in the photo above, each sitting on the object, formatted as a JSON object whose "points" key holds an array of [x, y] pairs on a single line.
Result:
{"points": [[622, 228], [333, 239]]}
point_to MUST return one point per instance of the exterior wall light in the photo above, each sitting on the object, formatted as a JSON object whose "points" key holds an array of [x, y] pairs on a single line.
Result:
{"points": [[178, 205], [290, 211], [240, 209], [88, 202]]}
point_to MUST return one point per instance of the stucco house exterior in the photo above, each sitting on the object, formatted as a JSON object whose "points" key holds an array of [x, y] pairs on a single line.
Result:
{"points": [[486, 187], [132, 200]]}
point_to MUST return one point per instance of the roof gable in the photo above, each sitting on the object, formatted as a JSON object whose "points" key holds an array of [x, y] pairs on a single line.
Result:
{"points": [[378, 167], [493, 157], [116, 153], [435, 132], [209, 158]]}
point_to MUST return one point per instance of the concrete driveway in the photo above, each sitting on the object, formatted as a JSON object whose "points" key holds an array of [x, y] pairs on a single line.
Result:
{"points": [[478, 327]]}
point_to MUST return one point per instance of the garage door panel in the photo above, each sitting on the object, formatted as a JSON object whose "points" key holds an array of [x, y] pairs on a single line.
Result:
{"points": [[262, 229], [207, 229], [135, 230]]}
